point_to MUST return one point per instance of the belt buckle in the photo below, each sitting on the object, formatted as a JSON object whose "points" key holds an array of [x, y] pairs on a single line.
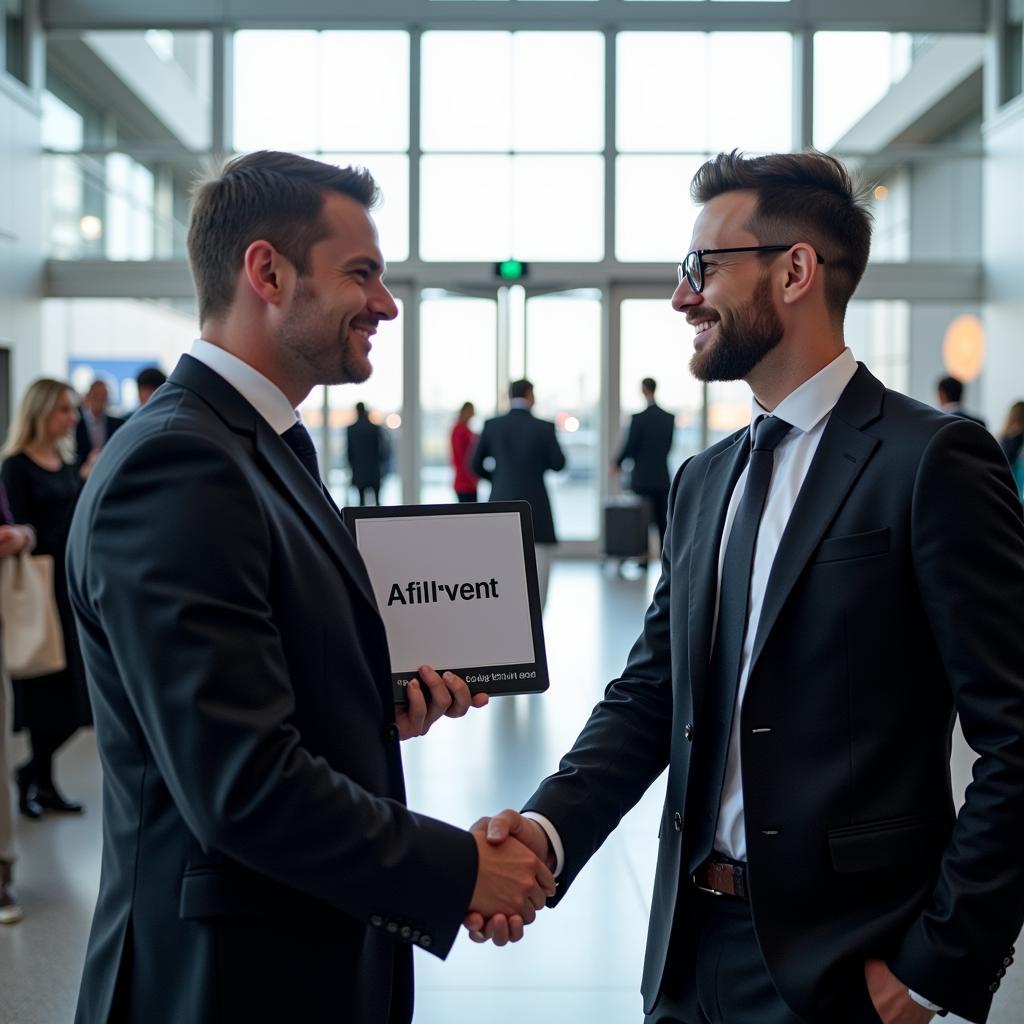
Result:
{"points": [[704, 888]]}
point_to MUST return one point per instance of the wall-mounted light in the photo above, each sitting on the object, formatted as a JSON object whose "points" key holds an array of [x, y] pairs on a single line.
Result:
{"points": [[881, 192], [392, 421], [91, 227], [963, 348]]}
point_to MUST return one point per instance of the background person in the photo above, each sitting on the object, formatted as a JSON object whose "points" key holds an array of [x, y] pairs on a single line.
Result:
{"points": [[462, 441], [647, 446], [147, 380], [368, 450], [95, 425], [13, 539], [948, 393], [1012, 439], [522, 449], [42, 488]]}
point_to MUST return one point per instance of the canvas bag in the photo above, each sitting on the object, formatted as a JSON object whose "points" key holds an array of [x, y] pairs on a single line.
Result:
{"points": [[33, 642]]}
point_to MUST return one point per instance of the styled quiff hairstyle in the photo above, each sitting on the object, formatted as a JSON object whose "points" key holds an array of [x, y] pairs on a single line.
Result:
{"points": [[801, 197], [277, 197]]}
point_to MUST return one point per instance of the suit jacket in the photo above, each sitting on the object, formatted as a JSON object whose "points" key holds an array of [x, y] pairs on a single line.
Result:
{"points": [[523, 448], [259, 862], [367, 452], [83, 442], [894, 599], [648, 443]]}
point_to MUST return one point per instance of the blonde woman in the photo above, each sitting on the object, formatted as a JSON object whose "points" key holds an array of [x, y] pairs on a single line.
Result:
{"points": [[42, 487]]}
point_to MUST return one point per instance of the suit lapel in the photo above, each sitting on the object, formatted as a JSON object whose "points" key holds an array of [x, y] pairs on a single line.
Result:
{"points": [[316, 507], [842, 454], [719, 483], [279, 463]]}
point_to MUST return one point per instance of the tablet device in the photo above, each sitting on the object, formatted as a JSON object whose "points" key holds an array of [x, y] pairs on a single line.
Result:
{"points": [[456, 586]]}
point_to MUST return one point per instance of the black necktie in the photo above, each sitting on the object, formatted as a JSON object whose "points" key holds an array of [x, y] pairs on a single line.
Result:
{"points": [[297, 438], [712, 740]]}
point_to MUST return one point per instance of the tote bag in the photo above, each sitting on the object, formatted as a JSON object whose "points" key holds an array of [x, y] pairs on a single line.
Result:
{"points": [[33, 642]]}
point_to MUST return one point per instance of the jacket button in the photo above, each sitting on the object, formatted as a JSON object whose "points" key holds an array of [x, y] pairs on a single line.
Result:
{"points": [[993, 986], [392, 732], [1007, 960], [677, 822], [406, 932], [1000, 971], [688, 731], [392, 927], [425, 941], [376, 920]]}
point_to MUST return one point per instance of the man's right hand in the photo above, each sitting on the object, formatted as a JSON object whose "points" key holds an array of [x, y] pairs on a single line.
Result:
{"points": [[512, 882], [509, 827]]}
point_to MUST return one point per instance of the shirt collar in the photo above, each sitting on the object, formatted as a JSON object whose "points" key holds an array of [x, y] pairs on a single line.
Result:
{"points": [[260, 392], [810, 403], [519, 403]]}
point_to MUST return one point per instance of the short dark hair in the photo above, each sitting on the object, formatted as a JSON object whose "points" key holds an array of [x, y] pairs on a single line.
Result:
{"points": [[950, 388], [360, 408], [649, 384], [274, 196], [150, 377], [519, 388], [801, 197]]}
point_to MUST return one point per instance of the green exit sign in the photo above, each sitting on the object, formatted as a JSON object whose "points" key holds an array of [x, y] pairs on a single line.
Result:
{"points": [[510, 270]]}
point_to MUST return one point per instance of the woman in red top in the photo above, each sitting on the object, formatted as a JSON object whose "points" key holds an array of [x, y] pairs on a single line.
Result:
{"points": [[463, 440]]}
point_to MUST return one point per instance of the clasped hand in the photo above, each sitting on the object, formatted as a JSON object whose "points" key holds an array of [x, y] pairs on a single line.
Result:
{"points": [[514, 850]]}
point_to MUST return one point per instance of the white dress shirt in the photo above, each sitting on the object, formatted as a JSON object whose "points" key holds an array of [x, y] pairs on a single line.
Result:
{"points": [[260, 392]]}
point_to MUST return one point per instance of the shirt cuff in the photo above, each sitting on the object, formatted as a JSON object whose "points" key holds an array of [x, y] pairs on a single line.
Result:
{"points": [[553, 838], [927, 1004]]}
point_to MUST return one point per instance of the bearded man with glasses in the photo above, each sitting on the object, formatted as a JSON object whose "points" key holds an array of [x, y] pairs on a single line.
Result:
{"points": [[839, 579]]}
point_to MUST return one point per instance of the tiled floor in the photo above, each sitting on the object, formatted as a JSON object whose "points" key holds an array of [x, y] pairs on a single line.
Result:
{"points": [[580, 962]]}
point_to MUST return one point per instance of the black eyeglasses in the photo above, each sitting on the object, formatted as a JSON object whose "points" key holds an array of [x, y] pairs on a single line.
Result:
{"points": [[692, 267]]}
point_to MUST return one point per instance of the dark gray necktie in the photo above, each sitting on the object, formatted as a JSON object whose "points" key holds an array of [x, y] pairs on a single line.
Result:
{"points": [[297, 438], [711, 742]]}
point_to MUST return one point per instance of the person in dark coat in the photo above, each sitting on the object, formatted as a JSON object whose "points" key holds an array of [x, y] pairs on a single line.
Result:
{"points": [[647, 446], [95, 425], [42, 486], [368, 452], [949, 393], [514, 452]]}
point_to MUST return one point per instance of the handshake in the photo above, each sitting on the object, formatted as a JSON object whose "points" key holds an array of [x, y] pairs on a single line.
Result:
{"points": [[514, 877]]}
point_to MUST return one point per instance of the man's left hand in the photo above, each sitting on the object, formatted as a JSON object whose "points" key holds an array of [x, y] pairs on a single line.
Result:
{"points": [[891, 997], [449, 698]]}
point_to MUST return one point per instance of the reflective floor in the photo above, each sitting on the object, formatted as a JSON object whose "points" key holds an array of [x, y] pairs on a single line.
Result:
{"points": [[580, 962]]}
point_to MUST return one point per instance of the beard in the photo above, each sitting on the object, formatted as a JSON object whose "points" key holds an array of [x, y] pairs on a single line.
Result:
{"points": [[318, 349], [743, 340]]}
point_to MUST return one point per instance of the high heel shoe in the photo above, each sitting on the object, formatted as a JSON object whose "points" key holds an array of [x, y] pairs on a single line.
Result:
{"points": [[49, 798], [28, 792]]}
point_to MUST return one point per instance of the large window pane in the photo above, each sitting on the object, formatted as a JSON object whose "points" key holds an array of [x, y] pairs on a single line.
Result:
{"points": [[563, 346], [878, 333], [492, 91], [458, 363], [653, 213], [490, 207], [318, 98], [391, 172], [690, 91], [852, 72], [656, 342]]}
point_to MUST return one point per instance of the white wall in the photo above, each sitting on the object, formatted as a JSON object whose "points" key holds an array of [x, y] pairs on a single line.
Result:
{"points": [[1003, 255], [21, 232]]}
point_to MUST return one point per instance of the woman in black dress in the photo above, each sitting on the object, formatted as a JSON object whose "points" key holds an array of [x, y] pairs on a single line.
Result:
{"points": [[42, 487]]}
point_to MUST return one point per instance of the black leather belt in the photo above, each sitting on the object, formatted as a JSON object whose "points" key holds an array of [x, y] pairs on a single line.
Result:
{"points": [[722, 876]]}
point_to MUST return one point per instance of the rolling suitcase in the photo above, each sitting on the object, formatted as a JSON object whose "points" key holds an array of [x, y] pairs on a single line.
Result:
{"points": [[626, 521]]}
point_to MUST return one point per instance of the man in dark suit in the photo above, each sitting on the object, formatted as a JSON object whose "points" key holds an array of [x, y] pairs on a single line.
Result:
{"points": [[839, 579], [259, 862], [367, 450], [647, 444], [95, 425], [950, 392], [514, 452]]}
